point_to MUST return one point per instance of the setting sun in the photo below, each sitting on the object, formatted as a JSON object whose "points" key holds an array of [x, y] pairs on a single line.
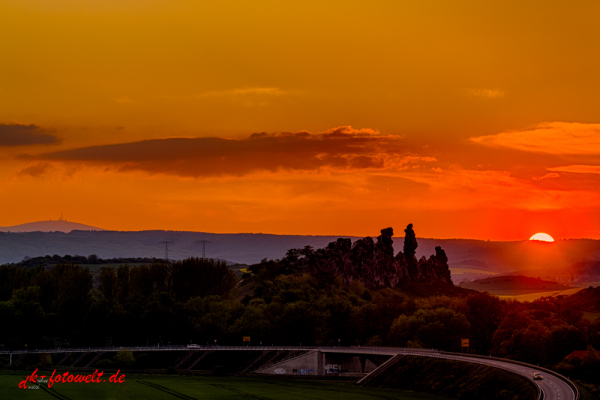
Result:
{"points": [[543, 237]]}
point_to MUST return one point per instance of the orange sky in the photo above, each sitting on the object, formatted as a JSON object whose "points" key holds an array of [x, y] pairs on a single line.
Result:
{"points": [[469, 119]]}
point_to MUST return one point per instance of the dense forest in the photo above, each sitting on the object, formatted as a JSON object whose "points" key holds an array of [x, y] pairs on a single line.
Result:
{"points": [[201, 300]]}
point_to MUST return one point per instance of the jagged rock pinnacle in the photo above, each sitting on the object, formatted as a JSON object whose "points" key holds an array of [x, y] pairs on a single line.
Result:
{"points": [[410, 242], [374, 263]]}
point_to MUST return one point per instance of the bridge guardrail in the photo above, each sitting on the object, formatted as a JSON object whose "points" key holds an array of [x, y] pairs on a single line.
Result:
{"points": [[576, 393], [363, 349], [455, 356]]}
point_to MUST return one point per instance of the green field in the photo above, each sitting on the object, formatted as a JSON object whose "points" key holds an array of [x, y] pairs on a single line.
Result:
{"points": [[538, 295], [139, 387], [474, 271]]}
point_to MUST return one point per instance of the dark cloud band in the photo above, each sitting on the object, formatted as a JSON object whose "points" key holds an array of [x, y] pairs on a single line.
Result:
{"points": [[341, 148], [23, 135]]}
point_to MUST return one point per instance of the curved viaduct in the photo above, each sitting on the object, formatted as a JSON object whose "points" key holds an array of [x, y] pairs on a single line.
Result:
{"points": [[553, 387]]}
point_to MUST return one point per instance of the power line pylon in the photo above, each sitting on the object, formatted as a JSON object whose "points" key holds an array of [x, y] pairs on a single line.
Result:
{"points": [[204, 243], [166, 243]]}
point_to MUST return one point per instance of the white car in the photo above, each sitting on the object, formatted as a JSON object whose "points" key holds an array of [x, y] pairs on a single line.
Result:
{"points": [[193, 346]]}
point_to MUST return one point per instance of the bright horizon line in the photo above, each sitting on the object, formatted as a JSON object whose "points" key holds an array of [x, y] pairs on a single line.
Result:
{"points": [[286, 234]]}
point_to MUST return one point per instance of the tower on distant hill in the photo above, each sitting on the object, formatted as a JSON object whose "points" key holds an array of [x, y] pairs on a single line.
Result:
{"points": [[166, 243], [203, 243]]}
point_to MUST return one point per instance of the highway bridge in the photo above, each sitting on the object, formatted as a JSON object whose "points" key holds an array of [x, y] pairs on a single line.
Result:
{"points": [[553, 386]]}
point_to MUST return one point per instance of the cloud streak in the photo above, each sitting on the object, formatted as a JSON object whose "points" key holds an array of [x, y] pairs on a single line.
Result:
{"points": [[551, 175], [36, 170], [24, 135], [123, 100], [558, 138], [254, 91], [486, 93], [472, 189], [577, 169], [340, 149]]}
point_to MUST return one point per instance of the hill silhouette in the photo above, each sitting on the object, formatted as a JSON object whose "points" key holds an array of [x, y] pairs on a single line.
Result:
{"points": [[60, 225], [246, 248], [512, 285], [587, 299], [566, 260]]}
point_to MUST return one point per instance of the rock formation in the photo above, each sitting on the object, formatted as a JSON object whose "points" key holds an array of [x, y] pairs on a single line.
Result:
{"points": [[374, 263]]}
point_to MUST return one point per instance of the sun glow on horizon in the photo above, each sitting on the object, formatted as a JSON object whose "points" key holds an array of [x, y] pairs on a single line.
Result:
{"points": [[542, 237]]}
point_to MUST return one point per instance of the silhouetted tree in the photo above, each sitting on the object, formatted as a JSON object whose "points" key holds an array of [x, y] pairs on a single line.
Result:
{"points": [[485, 314], [440, 329], [108, 284]]}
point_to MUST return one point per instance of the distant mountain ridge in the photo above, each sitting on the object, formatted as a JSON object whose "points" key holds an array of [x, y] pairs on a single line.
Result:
{"points": [[547, 260], [59, 225], [246, 248]]}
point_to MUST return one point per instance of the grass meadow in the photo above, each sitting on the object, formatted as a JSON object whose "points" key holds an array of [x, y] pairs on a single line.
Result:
{"points": [[163, 387]]}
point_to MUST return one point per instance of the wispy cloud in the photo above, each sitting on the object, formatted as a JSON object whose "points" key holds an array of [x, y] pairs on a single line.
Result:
{"points": [[578, 169], [256, 91], [23, 135], [35, 170], [547, 176], [549, 137], [123, 100], [486, 93], [471, 189], [245, 96]]}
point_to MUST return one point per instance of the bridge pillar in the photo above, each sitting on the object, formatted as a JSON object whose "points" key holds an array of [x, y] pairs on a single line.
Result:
{"points": [[320, 363], [310, 363]]}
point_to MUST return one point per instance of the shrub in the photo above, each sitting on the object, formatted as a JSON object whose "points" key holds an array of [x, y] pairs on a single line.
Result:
{"points": [[45, 360], [374, 341], [104, 363], [220, 370], [124, 358]]}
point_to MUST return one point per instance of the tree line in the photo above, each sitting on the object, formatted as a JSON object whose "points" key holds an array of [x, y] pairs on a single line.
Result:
{"points": [[201, 301]]}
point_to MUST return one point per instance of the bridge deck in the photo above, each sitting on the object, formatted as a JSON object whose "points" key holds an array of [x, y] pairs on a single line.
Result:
{"points": [[552, 387]]}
